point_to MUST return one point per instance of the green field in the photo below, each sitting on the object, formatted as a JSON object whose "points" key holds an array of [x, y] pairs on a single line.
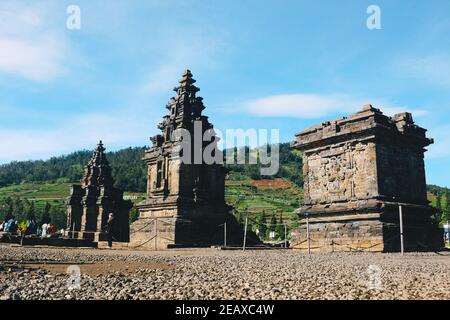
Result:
{"points": [[37, 191], [247, 196], [269, 199], [48, 191], [260, 200], [53, 193]]}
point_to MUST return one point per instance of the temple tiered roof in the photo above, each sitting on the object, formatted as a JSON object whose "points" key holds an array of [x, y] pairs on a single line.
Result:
{"points": [[98, 171], [186, 84], [185, 108]]}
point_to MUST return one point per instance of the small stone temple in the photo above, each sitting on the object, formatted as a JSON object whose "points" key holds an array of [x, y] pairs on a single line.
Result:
{"points": [[357, 172], [90, 203], [185, 204]]}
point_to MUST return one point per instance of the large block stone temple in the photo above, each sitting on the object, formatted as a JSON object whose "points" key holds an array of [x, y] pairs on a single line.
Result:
{"points": [[358, 171], [185, 204], [90, 203]]}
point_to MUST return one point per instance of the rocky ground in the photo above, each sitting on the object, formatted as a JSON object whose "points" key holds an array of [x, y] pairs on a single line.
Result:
{"points": [[40, 273]]}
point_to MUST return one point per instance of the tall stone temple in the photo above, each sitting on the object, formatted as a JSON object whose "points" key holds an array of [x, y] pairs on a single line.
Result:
{"points": [[185, 204], [90, 203], [358, 171]]}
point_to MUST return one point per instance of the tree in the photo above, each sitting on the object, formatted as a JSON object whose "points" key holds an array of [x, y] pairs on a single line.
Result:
{"points": [[279, 230], [273, 224], [437, 215], [6, 209], [126, 164], [45, 216], [436, 202], [445, 207], [261, 224], [58, 217], [30, 212], [18, 210], [134, 215]]}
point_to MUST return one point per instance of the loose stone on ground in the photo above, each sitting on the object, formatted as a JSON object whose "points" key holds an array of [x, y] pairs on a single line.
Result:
{"points": [[32, 273]]}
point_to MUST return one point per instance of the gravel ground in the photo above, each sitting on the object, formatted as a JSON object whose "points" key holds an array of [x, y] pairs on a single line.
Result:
{"points": [[39, 273]]}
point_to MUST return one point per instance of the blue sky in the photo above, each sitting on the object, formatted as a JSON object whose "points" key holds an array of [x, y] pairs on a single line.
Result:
{"points": [[259, 64]]}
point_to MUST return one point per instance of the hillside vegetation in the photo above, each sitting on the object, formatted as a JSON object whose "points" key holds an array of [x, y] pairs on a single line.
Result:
{"points": [[33, 188], [43, 185], [129, 170]]}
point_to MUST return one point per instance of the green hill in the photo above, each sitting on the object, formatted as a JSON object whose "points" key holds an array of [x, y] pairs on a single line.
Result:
{"points": [[258, 197], [128, 169], [45, 183]]}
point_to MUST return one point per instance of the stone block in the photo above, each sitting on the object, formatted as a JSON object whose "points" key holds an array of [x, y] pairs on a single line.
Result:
{"points": [[356, 171]]}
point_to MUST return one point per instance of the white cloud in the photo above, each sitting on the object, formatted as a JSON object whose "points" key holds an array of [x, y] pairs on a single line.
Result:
{"points": [[115, 129], [433, 69], [308, 106], [35, 60], [299, 105], [29, 46], [172, 50]]}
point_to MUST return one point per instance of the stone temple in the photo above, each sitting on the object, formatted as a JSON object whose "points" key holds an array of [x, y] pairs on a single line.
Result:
{"points": [[357, 171], [90, 203], [185, 204]]}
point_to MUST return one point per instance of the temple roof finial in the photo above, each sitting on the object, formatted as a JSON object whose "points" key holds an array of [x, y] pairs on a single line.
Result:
{"points": [[98, 170], [100, 147], [186, 84], [185, 108]]}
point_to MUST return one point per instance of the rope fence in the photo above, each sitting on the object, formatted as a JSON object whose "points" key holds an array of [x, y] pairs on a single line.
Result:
{"points": [[288, 225], [154, 221]]}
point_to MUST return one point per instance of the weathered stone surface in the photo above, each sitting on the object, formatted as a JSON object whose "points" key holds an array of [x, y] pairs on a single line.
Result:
{"points": [[223, 274], [356, 171], [185, 203], [90, 203]]}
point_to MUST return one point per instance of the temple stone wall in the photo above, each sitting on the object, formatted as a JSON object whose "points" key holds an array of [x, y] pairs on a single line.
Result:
{"points": [[185, 203], [340, 172], [357, 172], [90, 203], [155, 229], [335, 236], [402, 172]]}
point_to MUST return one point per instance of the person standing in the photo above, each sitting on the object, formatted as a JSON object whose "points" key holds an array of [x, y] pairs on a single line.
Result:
{"points": [[44, 230], [110, 229]]}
